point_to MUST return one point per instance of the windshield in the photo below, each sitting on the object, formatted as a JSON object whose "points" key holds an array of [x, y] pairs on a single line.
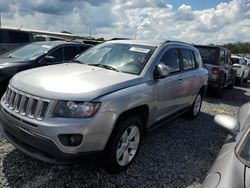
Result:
{"points": [[30, 51], [243, 148], [208, 55], [127, 58]]}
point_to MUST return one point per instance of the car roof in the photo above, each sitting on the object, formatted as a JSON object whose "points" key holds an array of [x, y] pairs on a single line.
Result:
{"points": [[236, 56], [210, 46], [153, 43], [139, 42], [57, 43]]}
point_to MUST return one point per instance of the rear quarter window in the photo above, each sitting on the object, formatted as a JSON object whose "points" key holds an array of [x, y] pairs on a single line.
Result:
{"points": [[187, 59], [197, 58]]}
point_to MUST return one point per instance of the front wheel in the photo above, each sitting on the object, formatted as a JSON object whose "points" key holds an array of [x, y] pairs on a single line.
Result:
{"points": [[123, 145], [196, 107]]}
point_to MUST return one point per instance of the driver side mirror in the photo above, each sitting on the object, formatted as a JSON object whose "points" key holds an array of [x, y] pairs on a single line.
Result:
{"points": [[49, 59], [161, 71], [229, 124]]}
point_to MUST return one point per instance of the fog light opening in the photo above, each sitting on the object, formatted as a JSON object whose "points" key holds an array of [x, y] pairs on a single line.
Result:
{"points": [[70, 139]]}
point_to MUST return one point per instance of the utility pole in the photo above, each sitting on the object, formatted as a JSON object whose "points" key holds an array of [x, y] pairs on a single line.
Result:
{"points": [[90, 32], [0, 20]]}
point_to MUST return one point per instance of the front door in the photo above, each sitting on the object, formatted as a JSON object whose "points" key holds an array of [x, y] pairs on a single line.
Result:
{"points": [[169, 89]]}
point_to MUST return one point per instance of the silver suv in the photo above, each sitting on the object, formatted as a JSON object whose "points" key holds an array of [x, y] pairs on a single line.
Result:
{"points": [[103, 101]]}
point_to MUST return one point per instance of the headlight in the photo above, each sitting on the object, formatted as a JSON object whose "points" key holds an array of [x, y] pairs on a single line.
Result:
{"points": [[71, 109]]}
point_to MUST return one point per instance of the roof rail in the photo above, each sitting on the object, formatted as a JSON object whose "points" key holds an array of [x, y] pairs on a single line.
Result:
{"points": [[167, 41]]}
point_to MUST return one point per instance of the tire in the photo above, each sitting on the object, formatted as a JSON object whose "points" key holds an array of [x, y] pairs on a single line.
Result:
{"points": [[124, 145], [218, 90], [240, 80], [196, 107], [232, 84], [245, 80]]}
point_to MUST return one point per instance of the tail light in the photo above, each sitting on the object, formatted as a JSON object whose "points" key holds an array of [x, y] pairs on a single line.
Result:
{"points": [[215, 70], [236, 66]]}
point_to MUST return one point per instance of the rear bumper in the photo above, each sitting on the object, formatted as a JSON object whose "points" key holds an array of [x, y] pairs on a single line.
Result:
{"points": [[213, 83], [35, 145]]}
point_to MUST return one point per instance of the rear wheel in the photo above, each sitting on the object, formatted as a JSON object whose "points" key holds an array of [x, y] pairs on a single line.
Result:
{"points": [[232, 84], [245, 80], [240, 80], [218, 90], [123, 145], [196, 107]]}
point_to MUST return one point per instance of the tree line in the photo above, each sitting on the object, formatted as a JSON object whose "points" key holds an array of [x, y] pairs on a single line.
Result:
{"points": [[238, 47]]}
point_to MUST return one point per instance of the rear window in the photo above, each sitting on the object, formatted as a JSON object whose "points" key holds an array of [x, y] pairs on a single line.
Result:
{"points": [[235, 60], [208, 55]]}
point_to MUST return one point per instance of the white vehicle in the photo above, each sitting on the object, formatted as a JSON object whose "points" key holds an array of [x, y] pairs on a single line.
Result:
{"points": [[248, 65], [240, 64]]}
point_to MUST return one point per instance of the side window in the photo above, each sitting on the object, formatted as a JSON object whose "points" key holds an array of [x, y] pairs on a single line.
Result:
{"points": [[1, 37], [222, 56], [171, 59], [40, 38], [55, 39], [197, 59], [58, 54], [18, 37], [70, 52], [187, 59], [81, 49]]}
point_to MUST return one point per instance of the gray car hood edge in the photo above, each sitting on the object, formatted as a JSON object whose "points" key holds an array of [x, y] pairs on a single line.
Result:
{"points": [[72, 81]]}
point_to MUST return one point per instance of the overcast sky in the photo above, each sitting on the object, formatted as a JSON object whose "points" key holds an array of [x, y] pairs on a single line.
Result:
{"points": [[195, 21]]}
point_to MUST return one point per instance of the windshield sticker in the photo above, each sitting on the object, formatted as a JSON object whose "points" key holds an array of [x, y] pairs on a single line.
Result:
{"points": [[136, 49]]}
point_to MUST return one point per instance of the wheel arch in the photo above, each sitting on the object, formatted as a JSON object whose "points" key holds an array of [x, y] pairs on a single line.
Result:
{"points": [[203, 90], [141, 111]]}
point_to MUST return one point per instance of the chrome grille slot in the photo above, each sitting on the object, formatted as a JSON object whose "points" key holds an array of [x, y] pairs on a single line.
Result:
{"points": [[26, 105]]}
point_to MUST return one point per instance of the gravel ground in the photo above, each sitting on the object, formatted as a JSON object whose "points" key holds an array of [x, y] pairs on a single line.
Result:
{"points": [[176, 155]]}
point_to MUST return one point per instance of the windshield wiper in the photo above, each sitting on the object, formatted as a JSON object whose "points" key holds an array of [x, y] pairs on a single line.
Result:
{"points": [[76, 61], [105, 66]]}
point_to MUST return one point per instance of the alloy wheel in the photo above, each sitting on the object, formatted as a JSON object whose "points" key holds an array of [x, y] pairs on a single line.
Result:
{"points": [[128, 145]]}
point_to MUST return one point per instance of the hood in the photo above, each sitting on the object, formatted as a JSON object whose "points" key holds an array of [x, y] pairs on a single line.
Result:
{"points": [[10, 62], [72, 81]]}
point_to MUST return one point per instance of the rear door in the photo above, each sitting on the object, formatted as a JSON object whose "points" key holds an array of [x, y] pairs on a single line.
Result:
{"points": [[189, 77]]}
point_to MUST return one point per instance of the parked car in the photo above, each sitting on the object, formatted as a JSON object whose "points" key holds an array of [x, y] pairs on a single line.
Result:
{"points": [[34, 55], [232, 166], [12, 38], [103, 101], [40, 38], [240, 64], [248, 65], [218, 63]]}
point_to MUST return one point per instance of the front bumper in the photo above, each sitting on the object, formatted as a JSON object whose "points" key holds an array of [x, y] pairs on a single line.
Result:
{"points": [[47, 147]]}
